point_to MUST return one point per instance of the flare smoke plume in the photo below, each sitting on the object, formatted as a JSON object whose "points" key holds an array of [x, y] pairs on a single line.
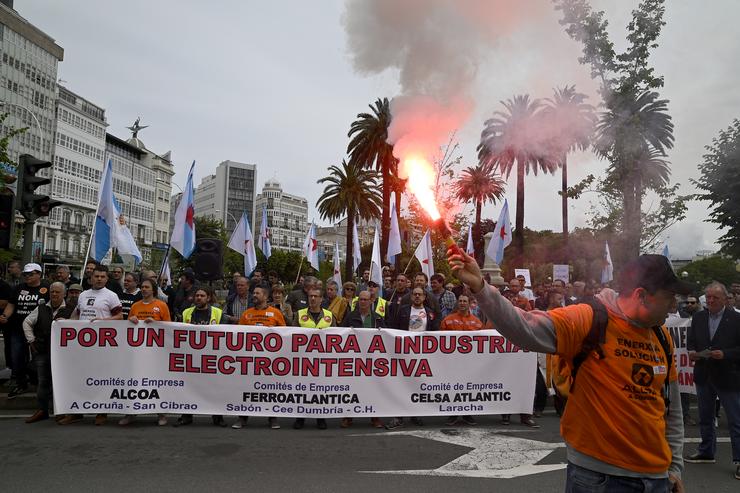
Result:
{"points": [[436, 46]]}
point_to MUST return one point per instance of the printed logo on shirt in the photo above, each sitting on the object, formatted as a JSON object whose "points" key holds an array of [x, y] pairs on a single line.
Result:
{"points": [[43, 290], [90, 301], [642, 374]]}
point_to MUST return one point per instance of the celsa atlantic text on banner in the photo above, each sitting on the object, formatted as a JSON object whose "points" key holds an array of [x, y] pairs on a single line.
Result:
{"points": [[165, 367]]}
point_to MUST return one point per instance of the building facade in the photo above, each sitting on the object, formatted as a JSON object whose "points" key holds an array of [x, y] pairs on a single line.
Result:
{"points": [[28, 84], [228, 193], [75, 178], [287, 217]]}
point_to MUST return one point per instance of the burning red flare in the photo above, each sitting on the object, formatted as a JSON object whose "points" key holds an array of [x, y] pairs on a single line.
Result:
{"points": [[421, 180]]}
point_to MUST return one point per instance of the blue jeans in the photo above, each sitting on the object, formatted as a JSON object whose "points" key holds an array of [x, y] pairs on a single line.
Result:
{"points": [[18, 355], [581, 480], [42, 361], [707, 394]]}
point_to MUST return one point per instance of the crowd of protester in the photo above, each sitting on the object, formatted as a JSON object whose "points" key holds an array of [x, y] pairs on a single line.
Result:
{"points": [[29, 303]]}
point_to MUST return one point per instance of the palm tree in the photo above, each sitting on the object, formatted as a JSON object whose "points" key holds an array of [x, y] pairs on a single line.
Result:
{"points": [[368, 148], [514, 137], [634, 132], [572, 122], [350, 190], [479, 184]]}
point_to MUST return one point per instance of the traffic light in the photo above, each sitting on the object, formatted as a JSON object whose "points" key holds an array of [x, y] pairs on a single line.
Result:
{"points": [[28, 202], [7, 216]]}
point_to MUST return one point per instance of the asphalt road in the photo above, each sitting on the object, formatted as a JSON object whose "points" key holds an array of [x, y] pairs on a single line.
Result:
{"points": [[201, 457]]}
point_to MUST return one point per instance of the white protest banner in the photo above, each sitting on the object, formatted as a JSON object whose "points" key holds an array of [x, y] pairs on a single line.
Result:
{"points": [[561, 272], [166, 367], [527, 276], [678, 327]]}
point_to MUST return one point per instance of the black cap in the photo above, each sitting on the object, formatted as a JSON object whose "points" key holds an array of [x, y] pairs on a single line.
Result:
{"points": [[652, 272]]}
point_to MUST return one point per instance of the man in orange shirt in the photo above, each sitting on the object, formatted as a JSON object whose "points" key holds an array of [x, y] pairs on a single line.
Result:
{"points": [[461, 319], [618, 432], [264, 315]]}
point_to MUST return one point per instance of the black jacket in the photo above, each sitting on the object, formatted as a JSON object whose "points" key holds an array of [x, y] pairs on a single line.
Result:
{"points": [[354, 319], [42, 329], [724, 373], [404, 316]]}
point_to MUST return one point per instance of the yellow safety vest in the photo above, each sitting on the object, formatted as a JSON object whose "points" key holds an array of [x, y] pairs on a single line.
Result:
{"points": [[187, 315], [306, 321], [379, 308]]}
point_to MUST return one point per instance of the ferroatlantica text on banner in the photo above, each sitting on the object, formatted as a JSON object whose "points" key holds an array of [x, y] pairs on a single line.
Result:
{"points": [[166, 367]]}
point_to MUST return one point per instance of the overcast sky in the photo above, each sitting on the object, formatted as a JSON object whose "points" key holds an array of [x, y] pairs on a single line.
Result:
{"points": [[272, 83]]}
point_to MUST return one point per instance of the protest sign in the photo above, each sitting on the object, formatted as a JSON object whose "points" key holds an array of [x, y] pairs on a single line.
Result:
{"points": [[678, 327], [166, 367], [561, 272], [527, 277]]}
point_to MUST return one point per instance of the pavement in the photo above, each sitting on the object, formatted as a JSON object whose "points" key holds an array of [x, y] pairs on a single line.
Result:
{"points": [[201, 457]]}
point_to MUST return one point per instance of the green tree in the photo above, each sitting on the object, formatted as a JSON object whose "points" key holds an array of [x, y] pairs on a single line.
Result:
{"points": [[479, 184], [720, 184], [634, 135], [350, 190], [715, 268], [368, 148], [572, 121], [606, 214], [508, 141], [636, 122]]}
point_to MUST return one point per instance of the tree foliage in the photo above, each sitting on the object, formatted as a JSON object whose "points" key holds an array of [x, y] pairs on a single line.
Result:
{"points": [[720, 184], [350, 190], [636, 126], [509, 141], [715, 268], [479, 185], [606, 214], [369, 148]]}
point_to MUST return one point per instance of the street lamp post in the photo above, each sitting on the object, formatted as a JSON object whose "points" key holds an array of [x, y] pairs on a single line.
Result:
{"points": [[230, 215]]}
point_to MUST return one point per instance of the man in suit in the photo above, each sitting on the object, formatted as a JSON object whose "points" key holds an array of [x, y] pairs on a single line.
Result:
{"points": [[714, 344]]}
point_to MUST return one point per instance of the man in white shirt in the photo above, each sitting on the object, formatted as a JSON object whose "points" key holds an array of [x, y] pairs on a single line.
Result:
{"points": [[96, 303]]}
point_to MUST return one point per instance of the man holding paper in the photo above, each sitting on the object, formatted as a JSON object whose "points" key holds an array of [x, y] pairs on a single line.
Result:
{"points": [[714, 344]]}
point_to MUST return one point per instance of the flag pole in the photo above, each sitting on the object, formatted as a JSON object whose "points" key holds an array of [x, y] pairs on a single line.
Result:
{"points": [[164, 261], [299, 271], [92, 233], [404, 273]]}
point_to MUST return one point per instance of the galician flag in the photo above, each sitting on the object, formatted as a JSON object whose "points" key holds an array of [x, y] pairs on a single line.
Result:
{"points": [[667, 254], [376, 267], [337, 266], [311, 247], [265, 235], [183, 235], [501, 236], [470, 249], [356, 252], [607, 269], [242, 241], [110, 230], [394, 235], [425, 255]]}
